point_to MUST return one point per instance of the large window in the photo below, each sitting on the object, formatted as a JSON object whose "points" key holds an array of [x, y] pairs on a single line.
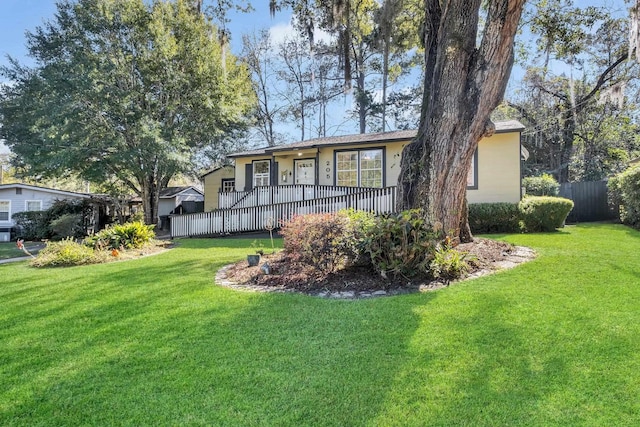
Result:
{"points": [[5, 209], [33, 205], [261, 173], [359, 168]]}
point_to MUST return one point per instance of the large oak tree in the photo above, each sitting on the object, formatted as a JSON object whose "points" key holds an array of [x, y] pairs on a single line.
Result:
{"points": [[468, 60], [465, 79], [128, 91]]}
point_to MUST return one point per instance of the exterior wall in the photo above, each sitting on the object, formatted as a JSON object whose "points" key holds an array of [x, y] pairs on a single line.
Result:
{"points": [[498, 164], [18, 201], [213, 183], [165, 206], [498, 170]]}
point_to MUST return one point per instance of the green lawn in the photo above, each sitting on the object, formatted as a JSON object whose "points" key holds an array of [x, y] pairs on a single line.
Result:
{"points": [[153, 342], [10, 250]]}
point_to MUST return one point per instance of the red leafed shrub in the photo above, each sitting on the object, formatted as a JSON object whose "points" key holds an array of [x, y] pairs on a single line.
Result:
{"points": [[319, 240]]}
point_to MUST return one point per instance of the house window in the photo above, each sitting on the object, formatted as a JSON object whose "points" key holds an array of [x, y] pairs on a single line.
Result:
{"points": [[261, 173], [472, 176], [228, 186], [33, 205], [5, 209], [360, 168], [18, 191]]}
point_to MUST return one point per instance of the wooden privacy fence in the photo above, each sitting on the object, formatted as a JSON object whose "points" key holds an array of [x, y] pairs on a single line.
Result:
{"points": [[270, 195], [590, 201], [256, 218]]}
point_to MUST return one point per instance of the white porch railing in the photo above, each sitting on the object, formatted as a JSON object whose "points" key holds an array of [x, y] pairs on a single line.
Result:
{"points": [[272, 195], [255, 218]]}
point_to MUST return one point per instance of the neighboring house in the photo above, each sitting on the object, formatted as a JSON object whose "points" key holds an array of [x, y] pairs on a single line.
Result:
{"points": [[327, 174], [218, 180], [180, 200], [16, 198]]}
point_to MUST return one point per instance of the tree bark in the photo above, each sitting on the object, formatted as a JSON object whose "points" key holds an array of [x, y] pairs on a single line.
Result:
{"points": [[463, 84]]}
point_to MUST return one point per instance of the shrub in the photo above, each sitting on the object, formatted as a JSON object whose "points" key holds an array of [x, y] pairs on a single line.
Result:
{"points": [[544, 213], [67, 225], [130, 235], [543, 185], [624, 192], [448, 263], [359, 226], [67, 252], [494, 217], [56, 221], [32, 225], [401, 244], [318, 240]]}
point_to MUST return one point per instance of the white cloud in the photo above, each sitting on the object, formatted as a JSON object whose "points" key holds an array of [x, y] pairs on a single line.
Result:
{"points": [[281, 32]]}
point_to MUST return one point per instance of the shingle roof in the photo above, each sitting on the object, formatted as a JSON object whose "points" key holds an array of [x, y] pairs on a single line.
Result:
{"points": [[170, 192], [46, 189], [363, 138]]}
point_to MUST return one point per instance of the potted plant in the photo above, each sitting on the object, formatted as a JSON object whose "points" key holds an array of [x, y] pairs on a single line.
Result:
{"points": [[254, 259]]}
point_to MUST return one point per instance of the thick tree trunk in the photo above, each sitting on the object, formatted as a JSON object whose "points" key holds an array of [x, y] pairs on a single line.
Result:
{"points": [[463, 84], [150, 196]]}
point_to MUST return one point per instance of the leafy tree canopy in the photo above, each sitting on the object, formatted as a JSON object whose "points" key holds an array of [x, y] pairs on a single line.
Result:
{"points": [[123, 90]]}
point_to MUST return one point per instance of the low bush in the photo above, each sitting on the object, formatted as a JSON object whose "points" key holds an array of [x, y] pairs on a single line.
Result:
{"points": [[359, 226], [130, 235], [67, 225], [32, 225], [67, 252], [624, 193], [544, 213], [543, 185], [319, 240], [494, 217], [401, 244], [448, 263]]}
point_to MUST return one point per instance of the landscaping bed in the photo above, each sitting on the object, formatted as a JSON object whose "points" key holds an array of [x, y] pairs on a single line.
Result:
{"points": [[483, 256]]}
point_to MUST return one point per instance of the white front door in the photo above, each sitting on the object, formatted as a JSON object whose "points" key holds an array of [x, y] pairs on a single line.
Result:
{"points": [[305, 171]]}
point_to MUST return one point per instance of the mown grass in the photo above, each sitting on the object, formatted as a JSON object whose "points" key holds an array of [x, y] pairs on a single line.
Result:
{"points": [[155, 342], [10, 250]]}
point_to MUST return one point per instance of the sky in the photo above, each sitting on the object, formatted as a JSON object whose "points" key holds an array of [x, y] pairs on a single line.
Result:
{"points": [[19, 16]]}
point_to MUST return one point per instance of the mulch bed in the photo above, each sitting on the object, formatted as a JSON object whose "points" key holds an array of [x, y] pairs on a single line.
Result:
{"points": [[483, 256]]}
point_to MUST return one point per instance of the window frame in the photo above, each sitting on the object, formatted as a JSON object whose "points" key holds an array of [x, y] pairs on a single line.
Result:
{"points": [[224, 187], [26, 205], [359, 170], [473, 172], [263, 175], [8, 211]]}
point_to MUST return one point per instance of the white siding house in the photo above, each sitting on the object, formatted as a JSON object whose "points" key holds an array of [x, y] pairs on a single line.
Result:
{"points": [[16, 198], [172, 197]]}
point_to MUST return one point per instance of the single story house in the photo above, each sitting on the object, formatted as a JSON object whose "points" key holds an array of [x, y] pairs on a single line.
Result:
{"points": [[17, 197], [371, 161], [268, 186]]}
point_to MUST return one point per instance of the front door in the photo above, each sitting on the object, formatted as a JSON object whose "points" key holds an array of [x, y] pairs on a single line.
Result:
{"points": [[305, 171]]}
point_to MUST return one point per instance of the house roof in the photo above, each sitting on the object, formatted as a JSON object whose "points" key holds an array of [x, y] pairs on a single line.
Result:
{"points": [[170, 192], [45, 189], [215, 170], [364, 138]]}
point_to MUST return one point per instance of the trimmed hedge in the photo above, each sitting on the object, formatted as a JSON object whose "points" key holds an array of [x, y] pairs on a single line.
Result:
{"points": [[494, 218], [543, 185], [624, 192], [544, 213]]}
